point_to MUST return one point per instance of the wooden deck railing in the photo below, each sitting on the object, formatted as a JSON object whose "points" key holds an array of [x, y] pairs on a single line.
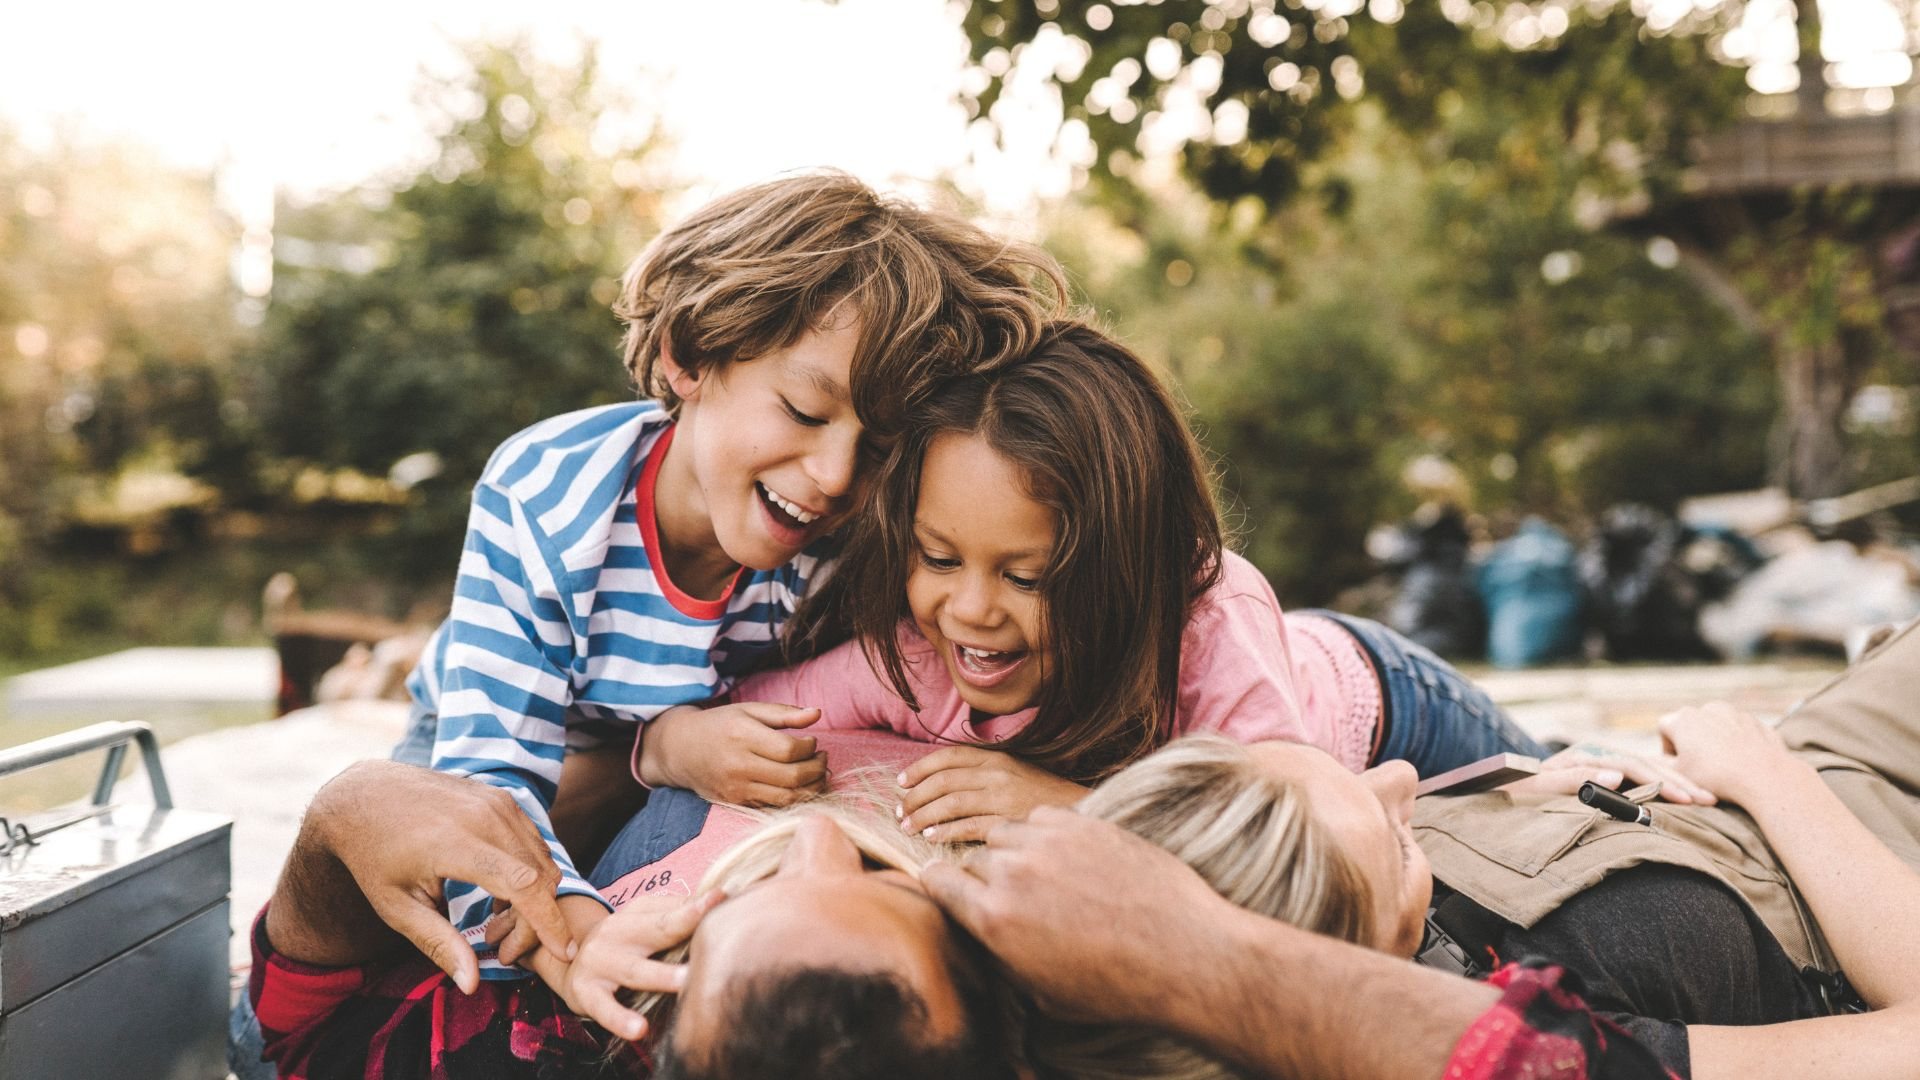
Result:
{"points": [[1873, 150]]}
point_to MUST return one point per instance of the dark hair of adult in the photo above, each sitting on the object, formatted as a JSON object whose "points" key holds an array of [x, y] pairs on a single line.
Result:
{"points": [[847, 1025]]}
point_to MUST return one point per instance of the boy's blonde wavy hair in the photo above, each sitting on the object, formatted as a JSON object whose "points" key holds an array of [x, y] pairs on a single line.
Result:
{"points": [[1250, 836]]}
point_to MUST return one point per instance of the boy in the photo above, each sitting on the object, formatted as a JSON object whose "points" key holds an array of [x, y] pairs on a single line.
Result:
{"points": [[626, 559]]}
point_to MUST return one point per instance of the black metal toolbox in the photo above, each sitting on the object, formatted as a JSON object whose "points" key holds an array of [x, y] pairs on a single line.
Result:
{"points": [[113, 929]]}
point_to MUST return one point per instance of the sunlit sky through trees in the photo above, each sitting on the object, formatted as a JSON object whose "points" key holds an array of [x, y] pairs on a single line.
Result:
{"points": [[304, 100], [310, 99]]}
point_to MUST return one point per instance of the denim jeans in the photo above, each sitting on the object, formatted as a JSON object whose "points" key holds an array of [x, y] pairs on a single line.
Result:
{"points": [[244, 1043], [416, 746], [1436, 718]]}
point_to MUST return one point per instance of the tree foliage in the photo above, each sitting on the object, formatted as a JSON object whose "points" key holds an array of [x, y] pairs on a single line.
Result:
{"points": [[116, 333], [1562, 320], [1253, 93], [1324, 346], [443, 313]]}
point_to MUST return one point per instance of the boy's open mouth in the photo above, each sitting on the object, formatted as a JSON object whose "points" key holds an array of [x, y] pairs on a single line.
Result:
{"points": [[986, 669], [788, 515]]}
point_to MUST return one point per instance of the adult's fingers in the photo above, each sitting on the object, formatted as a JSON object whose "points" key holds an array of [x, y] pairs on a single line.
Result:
{"points": [[421, 923], [520, 940], [778, 716], [518, 881], [501, 821], [949, 808], [1566, 780], [1675, 785], [958, 891], [947, 757]]}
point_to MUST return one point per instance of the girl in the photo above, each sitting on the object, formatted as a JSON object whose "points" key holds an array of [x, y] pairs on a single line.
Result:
{"points": [[1041, 583]]}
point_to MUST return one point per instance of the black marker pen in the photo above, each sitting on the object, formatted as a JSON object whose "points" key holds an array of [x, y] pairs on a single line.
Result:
{"points": [[1613, 804]]}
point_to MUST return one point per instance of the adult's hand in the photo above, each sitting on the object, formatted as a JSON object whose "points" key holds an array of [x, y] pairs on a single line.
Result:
{"points": [[1564, 772], [1732, 752], [401, 831], [1102, 926], [1094, 922]]}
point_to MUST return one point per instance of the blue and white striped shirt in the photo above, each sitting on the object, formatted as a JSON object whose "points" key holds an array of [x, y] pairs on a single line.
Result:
{"points": [[562, 632]]}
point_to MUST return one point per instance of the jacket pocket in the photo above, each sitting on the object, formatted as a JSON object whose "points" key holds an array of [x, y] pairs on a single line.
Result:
{"points": [[1528, 837]]}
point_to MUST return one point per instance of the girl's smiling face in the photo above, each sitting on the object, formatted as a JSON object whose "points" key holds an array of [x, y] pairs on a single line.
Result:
{"points": [[974, 589]]}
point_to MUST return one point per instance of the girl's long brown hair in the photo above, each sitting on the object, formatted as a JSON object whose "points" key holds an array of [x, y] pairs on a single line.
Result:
{"points": [[1106, 448]]}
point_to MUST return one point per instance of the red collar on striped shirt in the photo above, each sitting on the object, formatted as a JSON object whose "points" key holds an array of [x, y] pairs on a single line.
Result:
{"points": [[691, 606]]}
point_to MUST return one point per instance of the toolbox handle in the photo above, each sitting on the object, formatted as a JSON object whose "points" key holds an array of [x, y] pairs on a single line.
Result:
{"points": [[114, 737]]}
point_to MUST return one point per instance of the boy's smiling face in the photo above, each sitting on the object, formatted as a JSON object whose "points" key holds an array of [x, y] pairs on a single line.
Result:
{"points": [[766, 458]]}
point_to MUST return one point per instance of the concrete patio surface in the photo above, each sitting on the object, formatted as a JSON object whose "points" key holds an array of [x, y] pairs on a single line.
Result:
{"points": [[148, 679]]}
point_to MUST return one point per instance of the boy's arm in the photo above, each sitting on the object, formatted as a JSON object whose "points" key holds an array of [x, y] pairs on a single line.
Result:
{"points": [[503, 700], [597, 795]]}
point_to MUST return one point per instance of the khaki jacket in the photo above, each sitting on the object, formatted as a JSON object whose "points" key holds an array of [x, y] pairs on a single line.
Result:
{"points": [[1521, 857]]}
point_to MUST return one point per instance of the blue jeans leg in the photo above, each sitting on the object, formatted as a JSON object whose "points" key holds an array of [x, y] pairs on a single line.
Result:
{"points": [[1436, 718], [416, 746], [244, 1044]]}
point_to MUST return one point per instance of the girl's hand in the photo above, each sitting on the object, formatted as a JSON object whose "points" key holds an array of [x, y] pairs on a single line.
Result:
{"points": [[1732, 753], [958, 794], [618, 955], [739, 753], [1564, 772]]}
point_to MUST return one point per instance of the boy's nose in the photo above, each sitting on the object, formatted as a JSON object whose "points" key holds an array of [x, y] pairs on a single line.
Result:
{"points": [[832, 466]]}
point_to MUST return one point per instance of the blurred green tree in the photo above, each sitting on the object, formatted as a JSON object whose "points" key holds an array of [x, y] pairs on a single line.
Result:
{"points": [[1552, 119], [443, 313], [1323, 346], [116, 336]]}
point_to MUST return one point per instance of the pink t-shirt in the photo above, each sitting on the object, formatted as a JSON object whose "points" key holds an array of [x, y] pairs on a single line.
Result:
{"points": [[1241, 675]]}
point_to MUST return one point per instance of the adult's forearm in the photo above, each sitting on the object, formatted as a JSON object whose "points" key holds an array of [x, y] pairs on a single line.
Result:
{"points": [[1283, 1002], [318, 914], [1870, 1046], [1865, 898]]}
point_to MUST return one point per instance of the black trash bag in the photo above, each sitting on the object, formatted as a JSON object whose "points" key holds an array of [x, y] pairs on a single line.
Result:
{"points": [[1436, 603], [1647, 576]]}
